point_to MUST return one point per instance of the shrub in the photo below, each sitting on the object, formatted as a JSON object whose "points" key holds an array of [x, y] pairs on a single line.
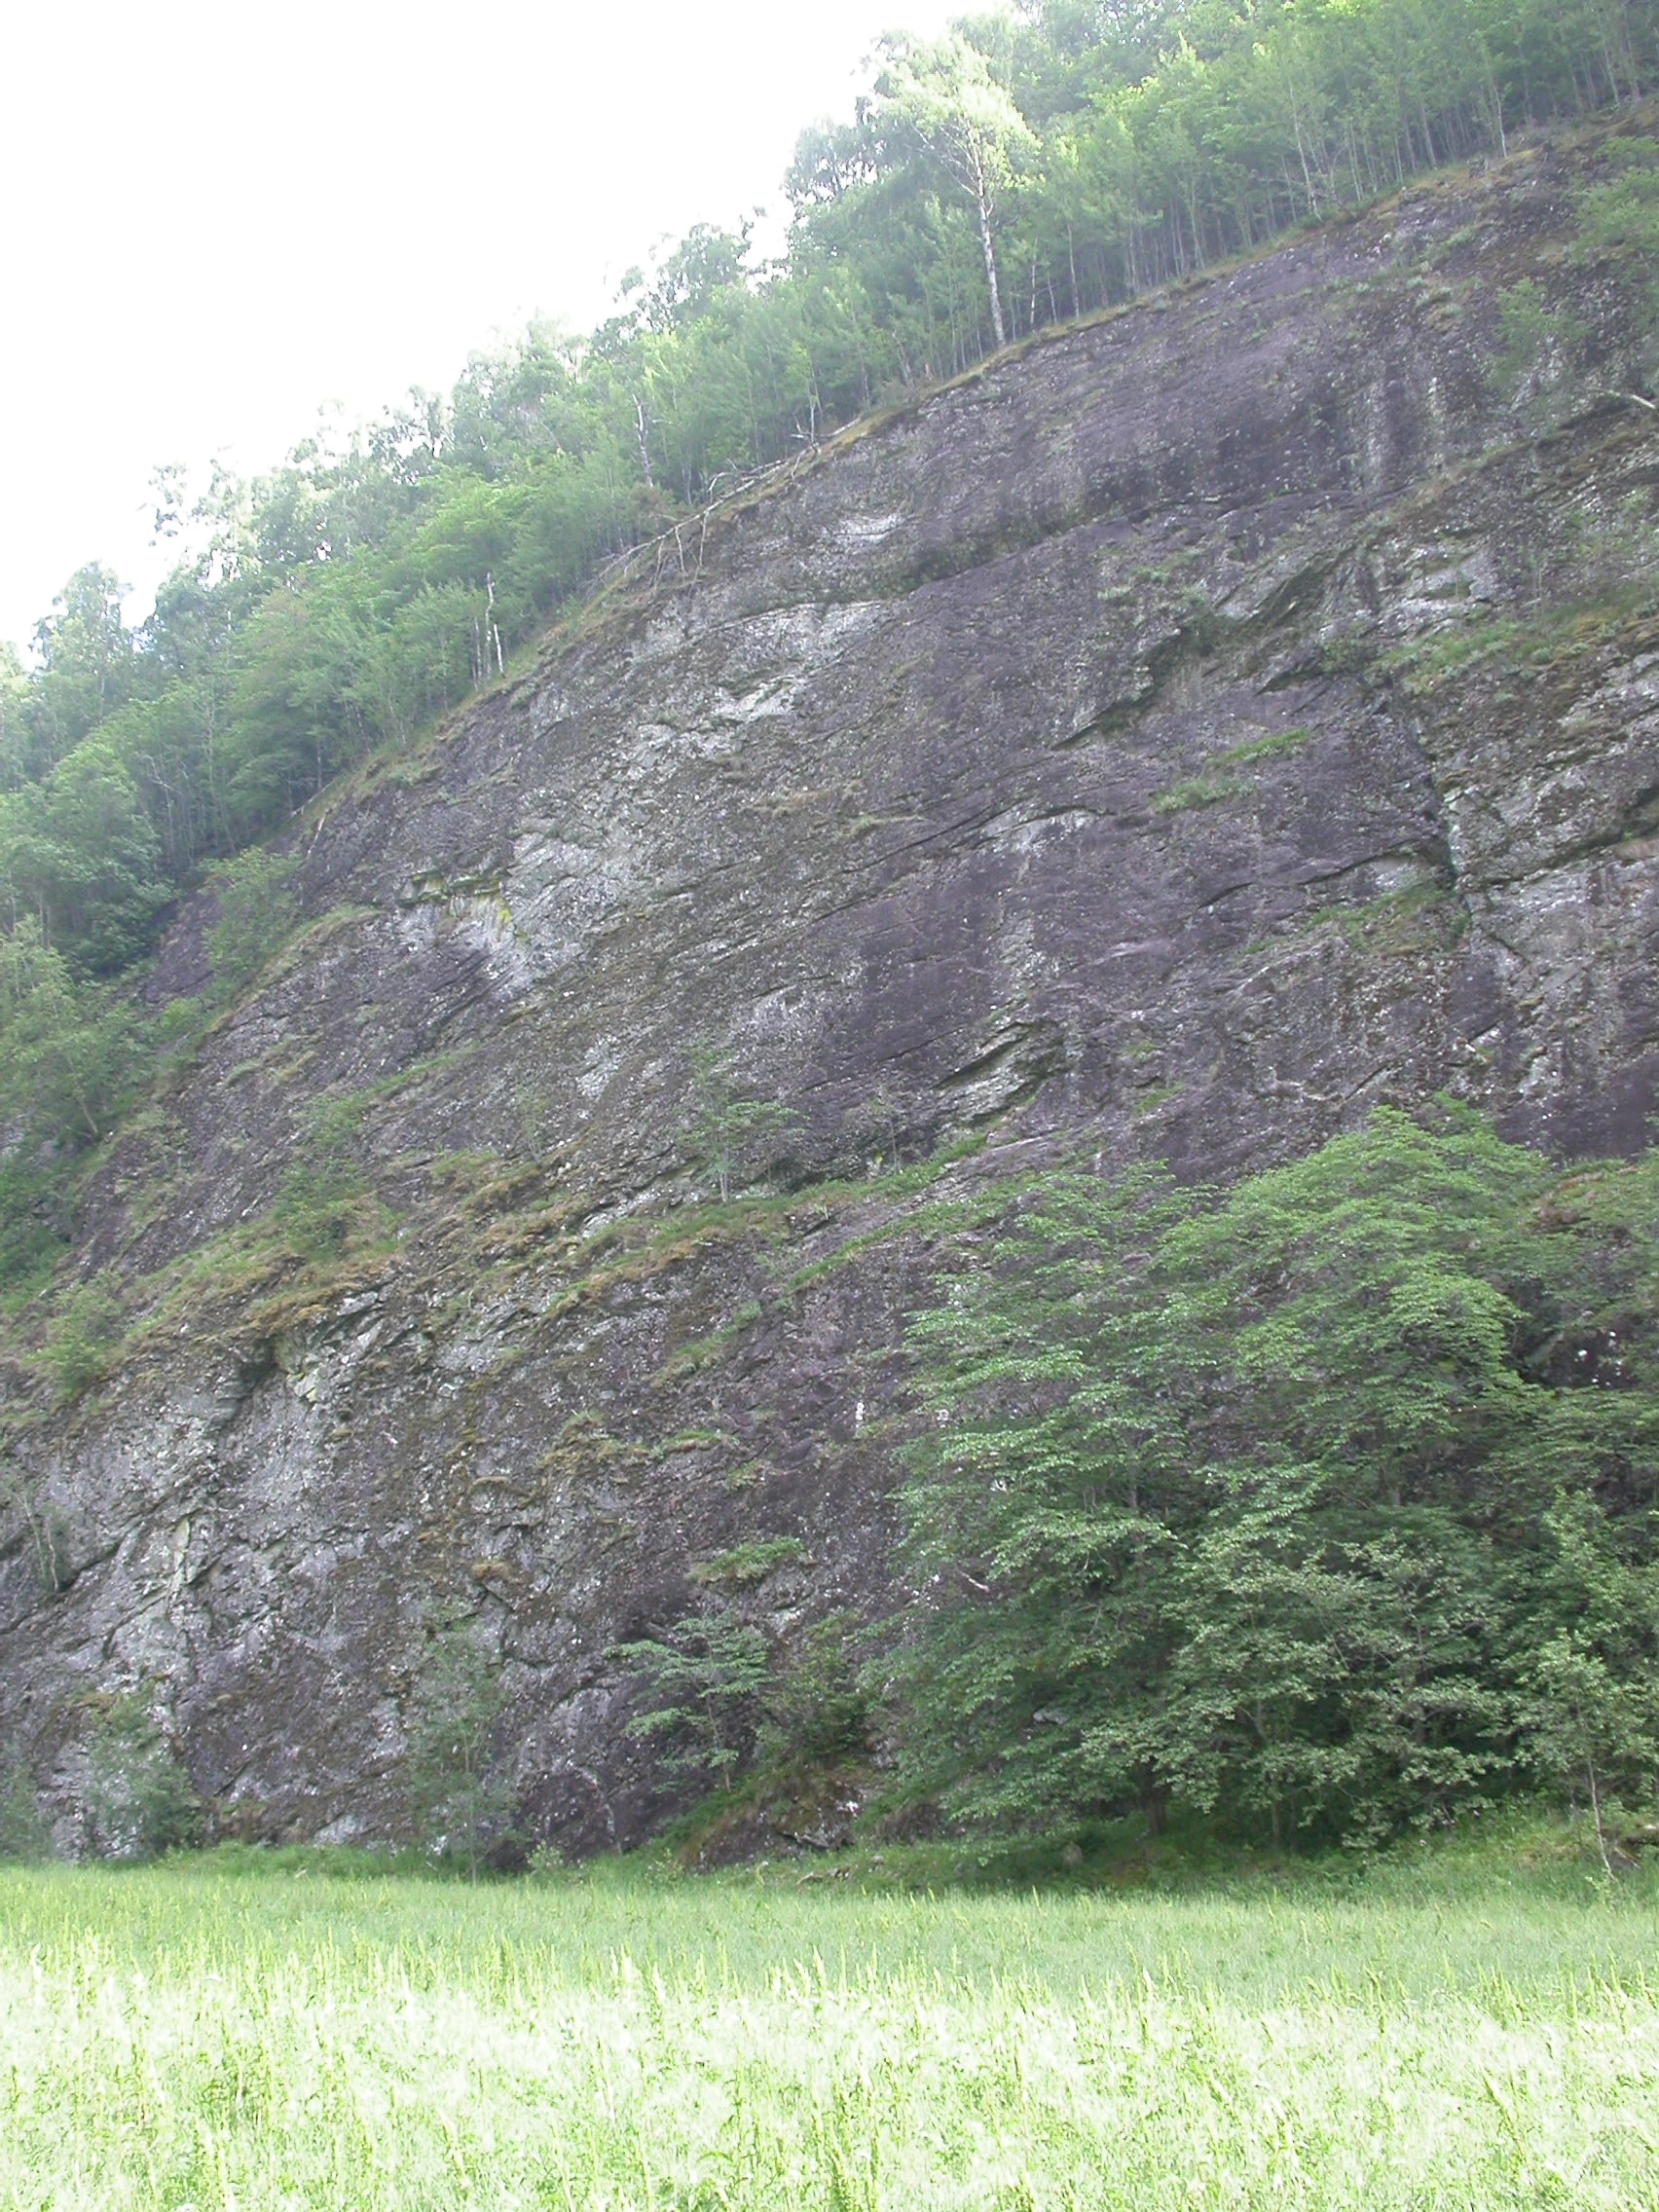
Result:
{"points": [[25, 1833], [256, 895], [86, 1340], [139, 1801], [700, 1683], [459, 1804]]}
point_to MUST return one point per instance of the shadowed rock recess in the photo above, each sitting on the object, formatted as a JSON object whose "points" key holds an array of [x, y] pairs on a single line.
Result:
{"points": [[1194, 729]]}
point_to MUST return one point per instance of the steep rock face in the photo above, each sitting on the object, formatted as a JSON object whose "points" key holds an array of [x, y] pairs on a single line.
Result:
{"points": [[1191, 731]]}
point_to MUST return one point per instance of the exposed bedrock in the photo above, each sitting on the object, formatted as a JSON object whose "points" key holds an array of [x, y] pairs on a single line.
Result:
{"points": [[1168, 744]]}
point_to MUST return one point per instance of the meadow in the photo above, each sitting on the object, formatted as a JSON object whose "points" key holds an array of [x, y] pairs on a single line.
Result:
{"points": [[247, 2030]]}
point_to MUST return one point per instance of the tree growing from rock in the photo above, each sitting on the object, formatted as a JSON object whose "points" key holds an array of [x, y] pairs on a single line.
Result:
{"points": [[460, 1799]]}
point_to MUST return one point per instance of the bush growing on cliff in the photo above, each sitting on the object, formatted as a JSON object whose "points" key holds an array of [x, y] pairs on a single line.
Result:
{"points": [[814, 1706], [459, 1800], [84, 1343], [699, 1686], [256, 898], [1535, 352], [1325, 1509], [735, 1136], [25, 1833], [139, 1802]]}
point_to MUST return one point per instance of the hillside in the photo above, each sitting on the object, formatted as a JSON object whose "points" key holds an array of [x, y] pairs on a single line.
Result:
{"points": [[1196, 726]]}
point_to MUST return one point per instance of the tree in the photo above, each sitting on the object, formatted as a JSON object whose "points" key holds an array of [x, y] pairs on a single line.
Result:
{"points": [[460, 1798], [72, 1048], [16, 692], [733, 1134], [942, 95], [1246, 1503], [80, 852], [85, 656], [256, 899], [1043, 1514], [699, 1682], [1591, 1689]]}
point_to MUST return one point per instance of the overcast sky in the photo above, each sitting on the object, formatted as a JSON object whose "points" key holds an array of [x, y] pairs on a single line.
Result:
{"points": [[218, 217]]}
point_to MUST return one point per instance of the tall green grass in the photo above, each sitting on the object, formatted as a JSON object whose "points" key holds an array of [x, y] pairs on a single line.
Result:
{"points": [[270, 2034]]}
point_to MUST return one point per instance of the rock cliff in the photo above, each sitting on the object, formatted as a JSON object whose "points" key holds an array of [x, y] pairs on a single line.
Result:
{"points": [[1197, 728]]}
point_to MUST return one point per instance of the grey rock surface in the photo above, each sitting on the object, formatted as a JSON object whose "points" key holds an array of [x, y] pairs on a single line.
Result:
{"points": [[1194, 729]]}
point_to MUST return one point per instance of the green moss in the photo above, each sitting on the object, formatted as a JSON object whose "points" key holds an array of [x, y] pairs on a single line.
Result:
{"points": [[1425, 915], [1196, 791], [1158, 1094], [704, 1351], [746, 1565], [693, 1440], [1270, 747]]}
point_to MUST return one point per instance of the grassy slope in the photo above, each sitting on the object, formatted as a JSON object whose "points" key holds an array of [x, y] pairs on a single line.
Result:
{"points": [[1462, 2030]]}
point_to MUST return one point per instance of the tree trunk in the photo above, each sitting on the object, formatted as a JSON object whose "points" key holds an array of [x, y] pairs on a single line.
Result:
{"points": [[1154, 1804], [1595, 1816], [983, 200]]}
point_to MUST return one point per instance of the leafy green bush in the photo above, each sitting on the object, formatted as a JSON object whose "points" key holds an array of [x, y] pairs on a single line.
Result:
{"points": [[815, 1706], [1321, 1508], [84, 1342], [459, 1800], [736, 1138], [25, 1833], [699, 1683], [751, 1563], [1536, 340], [139, 1802], [254, 895]]}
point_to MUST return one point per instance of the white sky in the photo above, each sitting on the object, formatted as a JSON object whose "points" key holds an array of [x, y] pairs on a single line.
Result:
{"points": [[215, 217]]}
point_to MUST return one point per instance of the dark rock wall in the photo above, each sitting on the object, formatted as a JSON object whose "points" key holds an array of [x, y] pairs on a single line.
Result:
{"points": [[1191, 731]]}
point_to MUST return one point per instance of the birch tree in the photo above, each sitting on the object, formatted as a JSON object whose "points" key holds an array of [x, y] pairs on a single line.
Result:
{"points": [[943, 96]]}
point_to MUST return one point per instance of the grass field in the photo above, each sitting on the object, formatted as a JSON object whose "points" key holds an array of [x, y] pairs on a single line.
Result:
{"points": [[260, 2032]]}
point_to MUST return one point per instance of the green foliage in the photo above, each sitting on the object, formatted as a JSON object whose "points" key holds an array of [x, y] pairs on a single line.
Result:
{"points": [[1621, 217], [698, 1687], [815, 1707], [460, 1799], [71, 1050], [747, 1564], [139, 1802], [25, 1833], [1591, 1689], [1264, 1507], [79, 853], [1270, 747], [1537, 342], [85, 1340], [1195, 792], [256, 898], [736, 1138], [323, 1205]]}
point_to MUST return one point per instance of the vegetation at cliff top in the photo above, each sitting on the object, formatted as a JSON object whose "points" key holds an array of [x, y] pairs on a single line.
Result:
{"points": [[1473, 2027], [1029, 167]]}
